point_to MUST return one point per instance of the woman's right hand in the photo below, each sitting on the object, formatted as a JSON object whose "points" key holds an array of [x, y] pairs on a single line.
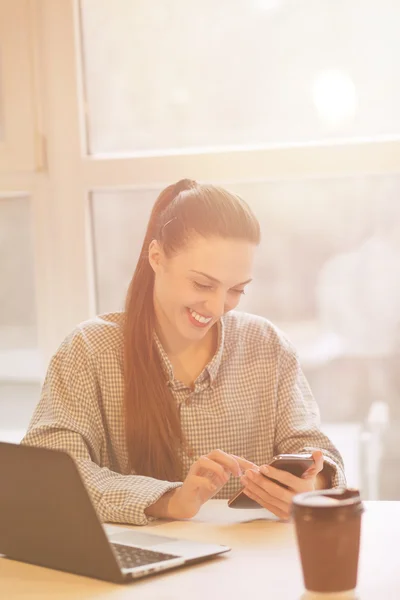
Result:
{"points": [[205, 479]]}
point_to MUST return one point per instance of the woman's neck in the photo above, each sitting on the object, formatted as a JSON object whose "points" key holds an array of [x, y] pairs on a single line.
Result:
{"points": [[175, 346], [187, 358]]}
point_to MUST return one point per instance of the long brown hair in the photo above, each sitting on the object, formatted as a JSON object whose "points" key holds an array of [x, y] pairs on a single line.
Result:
{"points": [[153, 429]]}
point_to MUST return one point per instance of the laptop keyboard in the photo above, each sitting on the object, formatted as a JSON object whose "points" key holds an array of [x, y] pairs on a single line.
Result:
{"points": [[130, 557]]}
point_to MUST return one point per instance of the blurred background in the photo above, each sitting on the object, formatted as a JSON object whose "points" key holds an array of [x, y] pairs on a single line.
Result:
{"points": [[293, 104]]}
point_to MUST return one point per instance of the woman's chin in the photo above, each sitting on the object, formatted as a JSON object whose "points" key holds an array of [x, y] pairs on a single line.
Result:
{"points": [[194, 334], [191, 332]]}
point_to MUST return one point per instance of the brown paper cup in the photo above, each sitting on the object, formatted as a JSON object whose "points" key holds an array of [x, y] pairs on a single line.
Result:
{"points": [[328, 525]]}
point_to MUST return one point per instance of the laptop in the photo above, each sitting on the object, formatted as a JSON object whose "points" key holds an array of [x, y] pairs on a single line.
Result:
{"points": [[47, 519]]}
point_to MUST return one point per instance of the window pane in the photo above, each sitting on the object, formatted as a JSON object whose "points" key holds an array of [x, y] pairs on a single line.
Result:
{"points": [[162, 76], [327, 273], [20, 368], [1, 109], [121, 219]]}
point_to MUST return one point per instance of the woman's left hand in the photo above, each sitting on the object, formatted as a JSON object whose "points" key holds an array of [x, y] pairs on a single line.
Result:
{"points": [[274, 497]]}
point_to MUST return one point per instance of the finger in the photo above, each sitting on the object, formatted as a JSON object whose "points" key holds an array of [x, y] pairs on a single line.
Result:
{"points": [[288, 479], [273, 487], [269, 487], [217, 479], [245, 464], [204, 466], [226, 460], [318, 460], [221, 478], [271, 482], [317, 466], [266, 497], [202, 484], [274, 509]]}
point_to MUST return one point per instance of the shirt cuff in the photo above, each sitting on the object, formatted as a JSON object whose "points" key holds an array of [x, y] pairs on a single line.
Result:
{"points": [[335, 472], [156, 496]]}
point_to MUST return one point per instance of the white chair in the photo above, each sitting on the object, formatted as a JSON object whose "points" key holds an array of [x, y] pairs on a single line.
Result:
{"points": [[360, 445]]}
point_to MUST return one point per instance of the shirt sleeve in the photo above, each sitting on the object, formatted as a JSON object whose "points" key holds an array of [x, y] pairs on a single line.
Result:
{"points": [[298, 420], [69, 417]]}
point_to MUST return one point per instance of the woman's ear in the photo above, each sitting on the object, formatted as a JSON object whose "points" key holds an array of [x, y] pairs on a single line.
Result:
{"points": [[156, 255]]}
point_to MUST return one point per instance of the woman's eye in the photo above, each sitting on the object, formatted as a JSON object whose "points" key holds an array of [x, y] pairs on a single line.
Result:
{"points": [[201, 286], [238, 291]]}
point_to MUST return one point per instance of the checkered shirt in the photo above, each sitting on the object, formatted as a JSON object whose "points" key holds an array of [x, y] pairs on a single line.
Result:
{"points": [[251, 400]]}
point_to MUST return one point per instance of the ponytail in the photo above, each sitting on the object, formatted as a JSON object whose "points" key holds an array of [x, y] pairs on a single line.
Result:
{"points": [[152, 421]]}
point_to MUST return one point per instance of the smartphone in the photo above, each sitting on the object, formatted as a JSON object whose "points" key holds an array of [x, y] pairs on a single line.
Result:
{"points": [[297, 464]]}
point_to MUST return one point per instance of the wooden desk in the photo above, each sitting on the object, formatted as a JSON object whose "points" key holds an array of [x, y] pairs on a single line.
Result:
{"points": [[263, 562]]}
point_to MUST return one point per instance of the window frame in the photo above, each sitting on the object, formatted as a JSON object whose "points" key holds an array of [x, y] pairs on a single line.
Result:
{"points": [[60, 191], [20, 149]]}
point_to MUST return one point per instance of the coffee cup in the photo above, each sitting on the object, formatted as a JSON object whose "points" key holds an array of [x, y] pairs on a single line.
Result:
{"points": [[328, 526]]}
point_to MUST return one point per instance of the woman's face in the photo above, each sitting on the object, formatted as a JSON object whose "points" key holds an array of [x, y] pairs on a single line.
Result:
{"points": [[201, 282]]}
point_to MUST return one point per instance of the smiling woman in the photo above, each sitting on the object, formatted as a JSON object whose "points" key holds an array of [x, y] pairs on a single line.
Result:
{"points": [[207, 291], [165, 405], [192, 228]]}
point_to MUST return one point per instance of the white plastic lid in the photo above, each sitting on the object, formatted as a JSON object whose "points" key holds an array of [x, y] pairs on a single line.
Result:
{"points": [[322, 501]]}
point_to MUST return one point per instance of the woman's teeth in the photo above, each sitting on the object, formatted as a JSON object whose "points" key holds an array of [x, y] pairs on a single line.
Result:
{"points": [[199, 318]]}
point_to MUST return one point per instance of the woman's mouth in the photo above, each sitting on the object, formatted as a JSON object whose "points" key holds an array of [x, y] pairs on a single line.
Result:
{"points": [[197, 319]]}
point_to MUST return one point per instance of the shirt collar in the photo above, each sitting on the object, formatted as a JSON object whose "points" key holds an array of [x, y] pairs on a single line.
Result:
{"points": [[211, 369], [214, 364]]}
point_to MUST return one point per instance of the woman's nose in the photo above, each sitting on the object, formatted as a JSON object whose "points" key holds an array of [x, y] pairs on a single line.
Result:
{"points": [[216, 305]]}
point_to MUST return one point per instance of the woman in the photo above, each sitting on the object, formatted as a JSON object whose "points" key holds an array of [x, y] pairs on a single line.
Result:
{"points": [[178, 399]]}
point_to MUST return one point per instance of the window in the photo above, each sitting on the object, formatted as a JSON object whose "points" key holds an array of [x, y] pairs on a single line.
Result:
{"points": [[238, 73], [20, 368], [121, 219]]}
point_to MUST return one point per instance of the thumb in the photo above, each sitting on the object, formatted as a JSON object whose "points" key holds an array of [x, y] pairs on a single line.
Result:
{"points": [[317, 466]]}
